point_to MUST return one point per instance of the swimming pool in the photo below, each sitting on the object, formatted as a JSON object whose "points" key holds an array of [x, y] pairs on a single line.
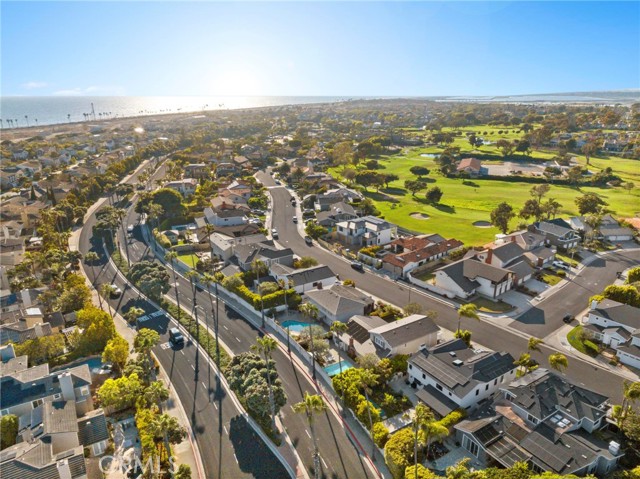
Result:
{"points": [[295, 326], [334, 369]]}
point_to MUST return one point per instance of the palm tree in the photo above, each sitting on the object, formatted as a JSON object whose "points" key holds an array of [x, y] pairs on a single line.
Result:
{"points": [[312, 404], [534, 344], [90, 258], [422, 415], [107, 290], [309, 310], [26, 117], [209, 279], [338, 327], [170, 257], [69, 117], [155, 212], [264, 346], [558, 361], [468, 310], [285, 285], [630, 394], [258, 267], [368, 379]]}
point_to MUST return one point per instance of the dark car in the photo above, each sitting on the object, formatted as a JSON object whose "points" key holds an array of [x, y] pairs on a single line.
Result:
{"points": [[357, 266], [175, 336], [568, 318]]}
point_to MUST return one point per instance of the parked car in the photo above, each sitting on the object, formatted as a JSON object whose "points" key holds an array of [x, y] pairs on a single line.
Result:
{"points": [[308, 240], [115, 291], [278, 182], [561, 265], [175, 336], [293, 202], [295, 219], [129, 229], [357, 266], [274, 233], [568, 318]]}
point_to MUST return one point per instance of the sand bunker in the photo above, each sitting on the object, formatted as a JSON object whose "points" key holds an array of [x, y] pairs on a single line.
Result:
{"points": [[482, 224], [420, 216]]}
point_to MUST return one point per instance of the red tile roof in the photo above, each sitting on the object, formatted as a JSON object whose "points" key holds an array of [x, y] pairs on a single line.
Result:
{"points": [[472, 163]]}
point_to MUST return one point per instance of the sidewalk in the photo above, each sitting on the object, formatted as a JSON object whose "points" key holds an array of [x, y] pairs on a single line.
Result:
{"points": [[186, 452]]}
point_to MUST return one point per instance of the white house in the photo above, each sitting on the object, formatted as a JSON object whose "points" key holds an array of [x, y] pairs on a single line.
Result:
{"points": [[467, 277], [366, 231], [226, 216], [185, 186], [618, 326], [304, 280], [405, 336], [451, 375], [339, 303]]}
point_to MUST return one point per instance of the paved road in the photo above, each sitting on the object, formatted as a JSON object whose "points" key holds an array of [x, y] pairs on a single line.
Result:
{"points": [[483, 332], [339, 457], [573, 298], [228, 445]]}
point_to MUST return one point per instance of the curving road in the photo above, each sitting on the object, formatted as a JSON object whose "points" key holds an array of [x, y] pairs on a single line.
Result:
{"points": [[547, 316], [228, 446]]}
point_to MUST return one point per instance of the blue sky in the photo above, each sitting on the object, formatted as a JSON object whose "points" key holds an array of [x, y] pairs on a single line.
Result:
{"points": [[309, 48]]}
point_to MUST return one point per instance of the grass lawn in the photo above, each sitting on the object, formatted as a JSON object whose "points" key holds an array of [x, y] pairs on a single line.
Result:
{"points": [[574, 337], [550, 279], [464, 204], [567, 259], [487, 306], [189, 259]]}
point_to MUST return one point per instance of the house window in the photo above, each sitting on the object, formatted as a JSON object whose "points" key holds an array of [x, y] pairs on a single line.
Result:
{"points": [[57, 396], [84, 391], [36, 403], [4, 412], [438, 387], [410, 366], [486, 387], [477, 392], [495, 383], [532, 419], [470, 446], [424, 376]]}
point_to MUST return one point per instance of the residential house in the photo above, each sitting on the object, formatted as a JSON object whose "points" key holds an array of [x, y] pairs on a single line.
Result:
{"points": [[196, 170], [185, 186], [246, 254], [324, 201], [467, 277], [366, 231], [223, 246], [20, 155], [509, 256], [545, 421], [339, 303], [405, 336], [11, 229], [10, 177], [557, 233], [226, 169], [306, 279], [406, 255], [617, 325], [226, 215], [357, 340], [242, 162], [22, 330], [25, 388], [336, 213], [471, 166], [11, 251], [452, 376], [609, 229], [226, 197], [29, 168]]}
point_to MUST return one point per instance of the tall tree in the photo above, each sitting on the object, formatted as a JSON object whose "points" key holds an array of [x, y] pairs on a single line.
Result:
{"points": [[116, 352], [368, 379], [468, 310], [558, 361], [170, 257], [338, 328], [501, 216], [264, 346], [311, 405]]}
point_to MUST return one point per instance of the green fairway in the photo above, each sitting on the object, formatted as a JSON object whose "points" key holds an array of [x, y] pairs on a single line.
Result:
{"points": [[464, 204]]}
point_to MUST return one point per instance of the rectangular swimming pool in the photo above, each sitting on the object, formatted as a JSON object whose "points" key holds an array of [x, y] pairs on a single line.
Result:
{"points": [[334, 368], [295, 326]]}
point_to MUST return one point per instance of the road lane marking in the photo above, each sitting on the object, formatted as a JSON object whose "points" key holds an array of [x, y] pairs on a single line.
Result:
{"points": [[225, 327], [323, 462], [215, 405], [234, 456], [308, 433], [204, 386], [238, 339], [193, 367], [225, 430], [182, 352]]}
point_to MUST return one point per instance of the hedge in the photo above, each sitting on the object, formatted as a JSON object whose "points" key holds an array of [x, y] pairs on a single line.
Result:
{"points": [[398, 452], [453, 418], [380, 434], [591, 348]]}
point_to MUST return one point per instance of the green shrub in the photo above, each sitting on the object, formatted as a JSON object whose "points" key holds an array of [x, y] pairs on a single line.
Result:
{"points": [[592, 348], [398, 452], [561, 273], [453, 418], [380, 434], [362, 413]]}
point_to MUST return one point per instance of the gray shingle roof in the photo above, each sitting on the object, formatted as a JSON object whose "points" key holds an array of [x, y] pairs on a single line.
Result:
{"points": [[338, 297], [406, 329], [618, 312], [311, 275], [542, 393], [476, 367], [36, 461], [456, 272], [92, 428], [508, 252]]}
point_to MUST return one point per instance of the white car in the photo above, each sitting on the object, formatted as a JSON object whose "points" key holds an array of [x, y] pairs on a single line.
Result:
{"points": [[561, 265]]}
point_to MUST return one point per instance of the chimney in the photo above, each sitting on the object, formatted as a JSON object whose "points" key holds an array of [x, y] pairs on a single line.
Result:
{"points": [[513, 239], [64, 470], [26, 298], [489, 256], [594, 304], [66, 385], [614, 448]]}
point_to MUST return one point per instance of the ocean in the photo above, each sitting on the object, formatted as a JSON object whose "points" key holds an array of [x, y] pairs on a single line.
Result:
{"points": [[22, 111]]}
